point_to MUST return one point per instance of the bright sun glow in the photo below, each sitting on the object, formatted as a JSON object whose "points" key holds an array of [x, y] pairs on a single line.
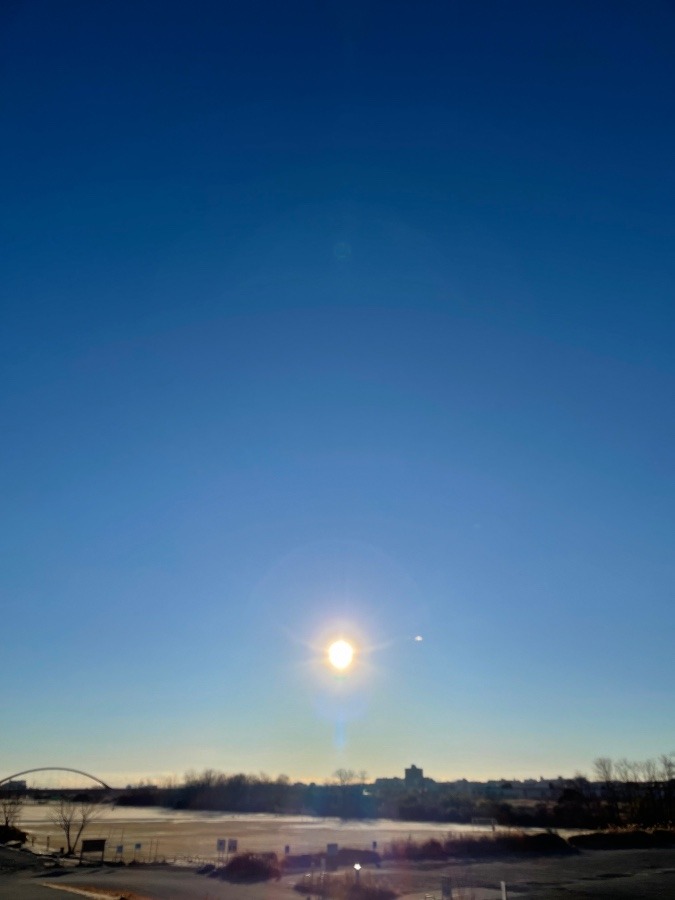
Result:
{"points": [[340, 654]]}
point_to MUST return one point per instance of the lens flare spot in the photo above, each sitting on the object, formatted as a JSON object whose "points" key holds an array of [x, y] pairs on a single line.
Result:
{"points": [[340, 655]]}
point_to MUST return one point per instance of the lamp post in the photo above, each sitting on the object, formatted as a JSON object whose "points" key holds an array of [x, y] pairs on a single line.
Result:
{"points": [[357, 869]]}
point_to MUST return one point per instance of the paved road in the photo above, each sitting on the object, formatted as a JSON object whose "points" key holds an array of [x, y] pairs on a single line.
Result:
{"points": [[153, 884], [600, 875]]}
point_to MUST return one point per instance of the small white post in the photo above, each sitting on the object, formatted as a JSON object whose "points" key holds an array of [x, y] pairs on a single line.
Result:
{"points": [[504, 897]]}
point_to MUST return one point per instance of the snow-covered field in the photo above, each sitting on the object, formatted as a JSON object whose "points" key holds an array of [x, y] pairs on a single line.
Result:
{"points": [[194, 835]]}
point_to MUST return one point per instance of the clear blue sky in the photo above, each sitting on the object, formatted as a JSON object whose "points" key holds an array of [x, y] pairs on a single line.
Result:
{"points": [[337, 319]]}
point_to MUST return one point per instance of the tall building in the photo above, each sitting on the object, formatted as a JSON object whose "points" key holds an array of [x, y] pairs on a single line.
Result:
{"points": [[414, 778]]}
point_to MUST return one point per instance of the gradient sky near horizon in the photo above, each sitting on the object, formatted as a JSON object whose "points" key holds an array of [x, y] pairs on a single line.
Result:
{"points": [[337, 319]]}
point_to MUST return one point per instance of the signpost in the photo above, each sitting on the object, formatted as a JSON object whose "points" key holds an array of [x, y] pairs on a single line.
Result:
{"points": [[93, 845]]}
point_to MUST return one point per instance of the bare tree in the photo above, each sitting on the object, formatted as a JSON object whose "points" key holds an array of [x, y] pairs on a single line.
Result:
{"points": [[72, 817], [667, 773], [604, 769], [604, 772], [667, 766], [11, 806], [650, 770], [344, 776]]}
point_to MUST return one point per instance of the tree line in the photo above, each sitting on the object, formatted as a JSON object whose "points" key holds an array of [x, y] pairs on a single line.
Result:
{"points": [[636, 792], [622, 792], [344, 795]]}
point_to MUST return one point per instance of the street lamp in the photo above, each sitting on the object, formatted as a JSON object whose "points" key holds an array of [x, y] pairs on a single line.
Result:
{"points": [[357, 869]]}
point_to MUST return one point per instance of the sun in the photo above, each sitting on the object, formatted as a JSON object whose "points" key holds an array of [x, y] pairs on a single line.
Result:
{"points": [[340, 654]]}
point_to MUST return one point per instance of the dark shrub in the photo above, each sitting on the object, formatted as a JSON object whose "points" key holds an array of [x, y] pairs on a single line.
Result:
{"points": [[543, 842], [432, 849], [474, 846], [630, 839], [10, 833], [248, 867], [663, 838]]}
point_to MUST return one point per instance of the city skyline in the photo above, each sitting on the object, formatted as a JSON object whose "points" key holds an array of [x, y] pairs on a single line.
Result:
{"points": [[410, 778]]}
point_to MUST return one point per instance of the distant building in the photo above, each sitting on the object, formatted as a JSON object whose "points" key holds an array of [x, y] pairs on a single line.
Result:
{"points": [[14, 786], [414, 778], [388, 782]]}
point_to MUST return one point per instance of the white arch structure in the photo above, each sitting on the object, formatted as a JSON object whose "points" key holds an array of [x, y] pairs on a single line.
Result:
{"points": [[55, 769]]}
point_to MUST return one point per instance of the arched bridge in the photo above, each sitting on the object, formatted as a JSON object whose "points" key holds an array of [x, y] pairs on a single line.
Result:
{"points": [[55, 769]]}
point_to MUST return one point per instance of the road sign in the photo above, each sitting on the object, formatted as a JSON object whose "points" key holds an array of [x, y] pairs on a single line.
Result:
{"points": [[93, 845]]}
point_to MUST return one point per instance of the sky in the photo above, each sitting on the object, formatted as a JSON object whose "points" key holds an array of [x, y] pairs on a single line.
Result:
{"points": [[336, 319]]}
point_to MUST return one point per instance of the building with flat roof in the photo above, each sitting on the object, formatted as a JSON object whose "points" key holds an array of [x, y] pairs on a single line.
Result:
{"points": [[414, 778]]}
